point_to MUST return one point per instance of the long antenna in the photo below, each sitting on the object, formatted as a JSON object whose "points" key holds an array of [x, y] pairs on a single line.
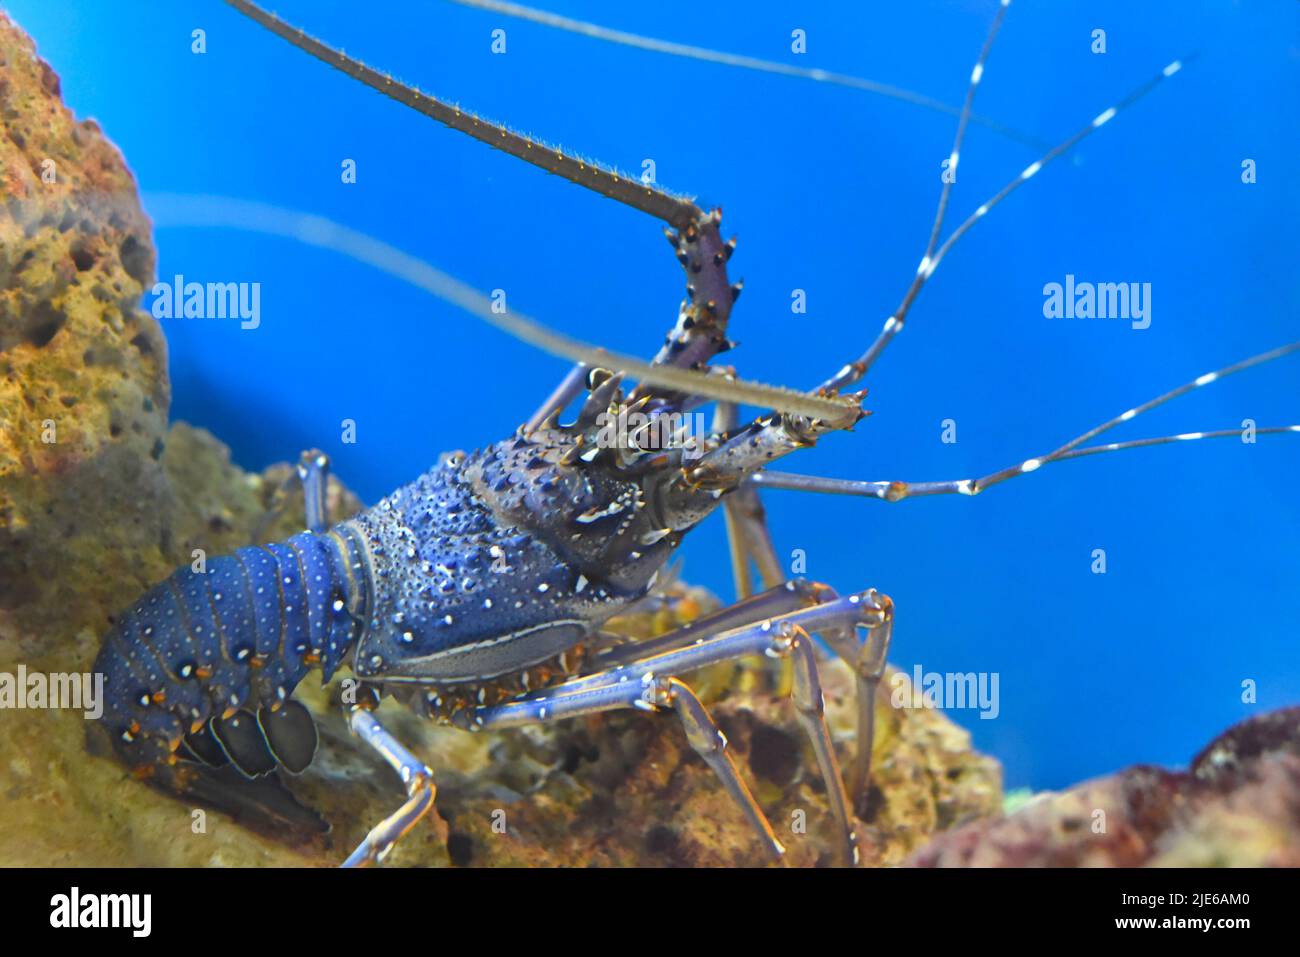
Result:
{"points": [[739, 61], [853, 371], [676, 211], [895, 491], [209, 211]]}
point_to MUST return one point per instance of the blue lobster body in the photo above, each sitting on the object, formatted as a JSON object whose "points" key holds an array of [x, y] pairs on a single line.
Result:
{"points": [[483, 568], [494, 562]]}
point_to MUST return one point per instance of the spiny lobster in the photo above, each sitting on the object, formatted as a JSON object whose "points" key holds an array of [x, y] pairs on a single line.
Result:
{"points": [[477, 594]]}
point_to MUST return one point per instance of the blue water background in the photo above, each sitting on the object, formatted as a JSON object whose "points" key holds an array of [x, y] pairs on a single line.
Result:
{"points": [[831, 191]]}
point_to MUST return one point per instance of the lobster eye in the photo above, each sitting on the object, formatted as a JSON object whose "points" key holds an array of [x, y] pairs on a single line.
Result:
{"points": [[186, 669]]}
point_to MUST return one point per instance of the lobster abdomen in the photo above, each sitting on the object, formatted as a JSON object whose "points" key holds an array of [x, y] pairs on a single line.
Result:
{"points": [[201, 667]]}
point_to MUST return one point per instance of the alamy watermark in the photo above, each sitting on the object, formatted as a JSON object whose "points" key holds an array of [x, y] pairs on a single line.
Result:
{"points": [[1098, 300], [208, 300], [128, 911], [951, 691], [658, 432], [58, 690]]}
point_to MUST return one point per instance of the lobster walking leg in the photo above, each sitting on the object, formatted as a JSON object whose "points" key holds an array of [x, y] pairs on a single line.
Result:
{"points": [[711, 744], [810, 705], [415, 774], [640, 683], [747, 533], [783, 599], [867, 659], [745, 511], [314, 472]]}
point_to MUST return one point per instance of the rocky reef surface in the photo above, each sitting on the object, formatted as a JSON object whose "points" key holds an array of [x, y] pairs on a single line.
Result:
{"points": [[1237, 805]]}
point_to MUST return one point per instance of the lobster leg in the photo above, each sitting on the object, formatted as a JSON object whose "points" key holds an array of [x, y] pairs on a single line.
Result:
{"points": [[415, 774], [747, 532], [745, 513], [640, 683], [810, 705], [790, 596], [867, 659], [711, 744], [314, 471]]}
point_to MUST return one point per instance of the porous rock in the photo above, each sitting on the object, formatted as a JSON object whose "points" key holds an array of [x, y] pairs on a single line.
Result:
{"points": [[1236, 805]]}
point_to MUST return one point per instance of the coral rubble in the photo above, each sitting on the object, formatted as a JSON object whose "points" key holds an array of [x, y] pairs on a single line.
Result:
{"points": [[1237, 805]]}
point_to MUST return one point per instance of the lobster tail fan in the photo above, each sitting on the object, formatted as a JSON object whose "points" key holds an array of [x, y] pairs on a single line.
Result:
{"points": [[261, 804]]}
